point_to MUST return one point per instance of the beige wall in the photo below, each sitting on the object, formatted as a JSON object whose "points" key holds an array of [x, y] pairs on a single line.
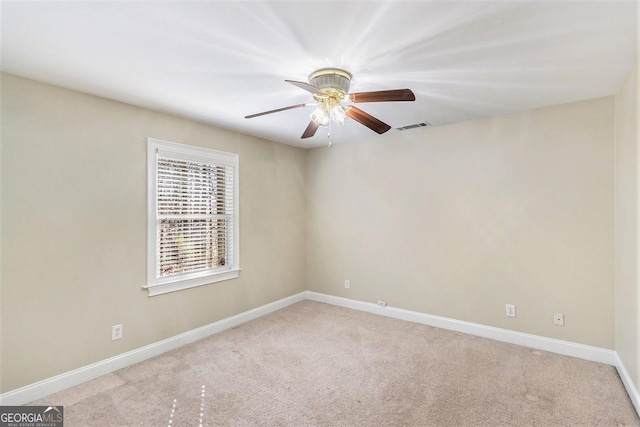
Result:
{"points": [[459, 220], [627, 309], [74, 223]]}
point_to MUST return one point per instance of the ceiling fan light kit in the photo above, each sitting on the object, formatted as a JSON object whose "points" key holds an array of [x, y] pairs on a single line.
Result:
{"points": [[330, 89], [333, 86]]}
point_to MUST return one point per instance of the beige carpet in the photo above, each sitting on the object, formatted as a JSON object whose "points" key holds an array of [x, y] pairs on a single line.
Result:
{"points": [[313, 364]]}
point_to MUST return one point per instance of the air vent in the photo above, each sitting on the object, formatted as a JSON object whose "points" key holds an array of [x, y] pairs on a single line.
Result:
{"points": [[416, 125]]}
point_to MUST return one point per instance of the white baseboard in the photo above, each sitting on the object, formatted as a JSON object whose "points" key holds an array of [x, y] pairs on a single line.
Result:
{"points": [[78, 376], [634, 395], [567, 348]]}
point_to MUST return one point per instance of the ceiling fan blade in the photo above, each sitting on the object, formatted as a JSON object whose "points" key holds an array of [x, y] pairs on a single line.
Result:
{"points": [[306, 86], [383, 96], [310, 130], [291, 107], [368, 120]]}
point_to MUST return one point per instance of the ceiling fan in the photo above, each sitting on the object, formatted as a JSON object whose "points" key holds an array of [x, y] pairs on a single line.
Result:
{"points": [[330, 90]]}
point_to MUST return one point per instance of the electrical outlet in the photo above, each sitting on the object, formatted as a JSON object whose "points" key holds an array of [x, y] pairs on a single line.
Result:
{"points": [[116, 332], [558, 319], [382, 303], [347, 284], [510, 310]]}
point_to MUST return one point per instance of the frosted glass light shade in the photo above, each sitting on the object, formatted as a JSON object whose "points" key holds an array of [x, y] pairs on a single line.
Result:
{"points": [[320, 117], [338, 114]]}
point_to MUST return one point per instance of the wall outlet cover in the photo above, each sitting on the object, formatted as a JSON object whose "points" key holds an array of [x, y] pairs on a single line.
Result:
{"points": [[510, 310], [116, 332], [558, 319]]}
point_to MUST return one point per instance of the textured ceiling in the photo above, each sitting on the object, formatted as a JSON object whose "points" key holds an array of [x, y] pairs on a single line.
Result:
{"points": [[219, 61]]}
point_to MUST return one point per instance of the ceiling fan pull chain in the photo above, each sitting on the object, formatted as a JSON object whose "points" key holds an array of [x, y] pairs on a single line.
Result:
{"points": [[329, 135]]}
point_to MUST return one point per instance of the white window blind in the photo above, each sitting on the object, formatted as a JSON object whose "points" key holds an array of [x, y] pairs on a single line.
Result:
{"points": [[195, 216], [194, 210]]}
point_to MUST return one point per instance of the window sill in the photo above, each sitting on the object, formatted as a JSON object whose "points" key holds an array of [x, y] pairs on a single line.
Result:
{"points": [[165, 288]]}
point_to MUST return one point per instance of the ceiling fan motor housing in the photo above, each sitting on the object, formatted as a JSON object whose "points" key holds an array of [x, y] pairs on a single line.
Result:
{"points": [[332, 79]]}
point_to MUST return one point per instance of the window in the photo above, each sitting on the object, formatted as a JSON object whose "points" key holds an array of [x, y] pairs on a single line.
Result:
{"points": [[193, 216]]}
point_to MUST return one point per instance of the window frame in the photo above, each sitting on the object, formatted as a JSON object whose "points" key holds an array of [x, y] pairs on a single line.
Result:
{"points": [[162, 285]]}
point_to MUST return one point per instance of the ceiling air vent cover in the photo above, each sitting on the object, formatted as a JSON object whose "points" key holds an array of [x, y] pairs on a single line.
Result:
{"points": [[416, 125]]}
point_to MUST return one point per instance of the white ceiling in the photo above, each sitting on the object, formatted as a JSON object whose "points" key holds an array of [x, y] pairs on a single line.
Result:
{"points": [[219, 61]]}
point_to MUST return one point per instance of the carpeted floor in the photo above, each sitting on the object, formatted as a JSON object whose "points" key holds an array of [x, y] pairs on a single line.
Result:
{"points": [[313, 364]]}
